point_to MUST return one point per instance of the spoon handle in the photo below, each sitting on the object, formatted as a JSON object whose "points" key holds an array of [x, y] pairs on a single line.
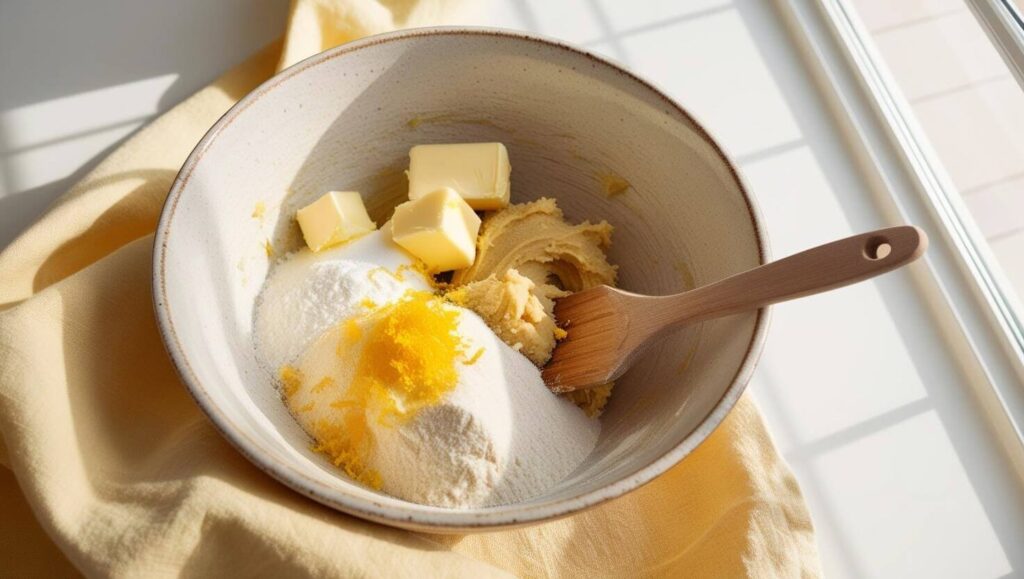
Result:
{"points": [[815, 270]]}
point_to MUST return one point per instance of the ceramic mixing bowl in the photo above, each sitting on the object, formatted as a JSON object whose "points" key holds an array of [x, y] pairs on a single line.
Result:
{"points": [[577, 128]]}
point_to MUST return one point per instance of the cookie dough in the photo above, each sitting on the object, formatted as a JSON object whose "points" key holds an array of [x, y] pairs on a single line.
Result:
{"points": [[518, 310], [535, 239], [528, 255]]}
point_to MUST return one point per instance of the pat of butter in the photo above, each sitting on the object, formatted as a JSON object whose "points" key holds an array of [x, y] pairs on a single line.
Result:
{"points": [[479, 172], [335, 217], [439, 228]]}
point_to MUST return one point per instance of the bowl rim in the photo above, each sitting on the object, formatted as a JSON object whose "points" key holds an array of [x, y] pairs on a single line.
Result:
{"points": [[441, 520]]}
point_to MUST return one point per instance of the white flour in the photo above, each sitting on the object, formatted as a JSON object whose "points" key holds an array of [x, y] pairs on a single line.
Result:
{"points": [[499, 437], [307, 292]]}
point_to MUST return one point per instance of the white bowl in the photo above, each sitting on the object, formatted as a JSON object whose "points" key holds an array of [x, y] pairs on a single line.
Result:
{"points": [[345, 119]]}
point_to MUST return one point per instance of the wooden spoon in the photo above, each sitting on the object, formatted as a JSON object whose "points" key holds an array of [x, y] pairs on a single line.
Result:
{"points": [[609, 328]]}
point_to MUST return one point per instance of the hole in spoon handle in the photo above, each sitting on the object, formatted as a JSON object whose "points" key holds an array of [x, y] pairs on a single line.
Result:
{"points": [[877, 247]]}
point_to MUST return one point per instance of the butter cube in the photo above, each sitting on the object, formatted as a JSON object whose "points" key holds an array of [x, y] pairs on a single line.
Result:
{"points": [[479, 172], [335, 217], [439, 228]]}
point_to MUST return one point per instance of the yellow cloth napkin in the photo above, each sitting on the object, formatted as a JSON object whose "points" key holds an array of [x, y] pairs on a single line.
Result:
{"points": [[111, 469]]}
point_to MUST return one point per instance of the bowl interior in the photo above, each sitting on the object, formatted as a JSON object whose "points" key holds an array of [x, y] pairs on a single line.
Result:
{"points": [[572, 123]]}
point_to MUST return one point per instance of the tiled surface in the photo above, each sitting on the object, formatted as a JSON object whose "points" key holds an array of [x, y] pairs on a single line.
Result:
{"points": [[880, 15], [935, 57], [547, 15], [968, 104], [978, 133], [998, 208], [655, 13], [753, 128], [956, 554]]}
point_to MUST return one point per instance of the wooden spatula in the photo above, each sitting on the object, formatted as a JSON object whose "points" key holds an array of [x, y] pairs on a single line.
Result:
{"points": [[609, 328]]}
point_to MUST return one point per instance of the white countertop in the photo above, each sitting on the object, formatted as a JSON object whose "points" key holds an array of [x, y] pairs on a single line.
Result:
{"points": [[902, 475]]}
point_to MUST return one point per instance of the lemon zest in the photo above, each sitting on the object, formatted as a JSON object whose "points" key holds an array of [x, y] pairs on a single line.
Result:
{"points": [[407, 362], [475, 357], [323, 384], [291, 380]]}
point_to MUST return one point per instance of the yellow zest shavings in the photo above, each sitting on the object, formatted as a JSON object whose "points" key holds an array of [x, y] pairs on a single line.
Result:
{"points": [[291, 380], [259, 210], [307, 406], [475, 357], [267, 247], [352, 332], [409, 355], [560, 334], [407, 362], [368, 304], [347, 443], [418, 267], [399, 273], [614, 185], [323, 384]]}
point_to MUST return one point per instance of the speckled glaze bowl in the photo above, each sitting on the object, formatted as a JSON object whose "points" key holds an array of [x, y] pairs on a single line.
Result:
{"points": [[577, 128]]}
